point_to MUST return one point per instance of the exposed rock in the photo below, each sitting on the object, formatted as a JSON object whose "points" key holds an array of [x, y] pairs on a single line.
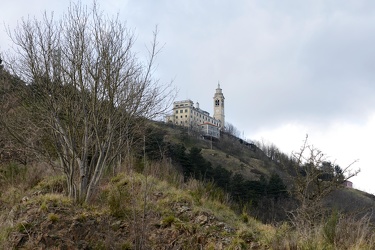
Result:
{"points": [[201, 219], [158, 194], [183, 209], [24, 199]]}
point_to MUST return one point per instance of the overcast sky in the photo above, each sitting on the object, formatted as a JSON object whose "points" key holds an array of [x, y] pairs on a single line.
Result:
{"points": [[287, 68]]}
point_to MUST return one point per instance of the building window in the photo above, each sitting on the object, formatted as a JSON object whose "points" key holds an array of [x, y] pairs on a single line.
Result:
{"points": [[176, 111], [185, 110], [186, 116], [176, 117], [181, 116], [217, 102], [181, 111]]}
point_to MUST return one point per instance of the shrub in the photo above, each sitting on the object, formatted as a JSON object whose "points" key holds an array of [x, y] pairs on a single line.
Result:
{"points": [[119, 198], [355, 233], [168, 221], [245, 217], [11, 196], [12, 173], [329, 229], [55, 184], [52, 200]]}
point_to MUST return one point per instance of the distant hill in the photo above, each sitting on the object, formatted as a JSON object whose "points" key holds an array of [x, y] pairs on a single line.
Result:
{"points": [[253, 164]]}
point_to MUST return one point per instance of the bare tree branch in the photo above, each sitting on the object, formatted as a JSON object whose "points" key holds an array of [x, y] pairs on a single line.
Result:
{"points": [[87, 88]]}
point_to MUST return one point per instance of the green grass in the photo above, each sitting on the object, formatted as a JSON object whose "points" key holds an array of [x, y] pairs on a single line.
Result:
{"points": [[52, 184], [53, 217], [251, 169]]}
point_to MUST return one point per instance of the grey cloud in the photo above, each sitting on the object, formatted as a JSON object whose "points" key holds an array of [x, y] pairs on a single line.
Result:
{"points": [[278, 61]]}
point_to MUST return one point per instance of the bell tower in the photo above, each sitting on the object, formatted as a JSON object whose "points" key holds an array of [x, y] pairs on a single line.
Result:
{"points": [[219, 106]]}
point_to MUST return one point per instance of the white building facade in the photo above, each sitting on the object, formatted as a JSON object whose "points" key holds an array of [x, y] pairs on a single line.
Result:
{"points": [[186, 114]]}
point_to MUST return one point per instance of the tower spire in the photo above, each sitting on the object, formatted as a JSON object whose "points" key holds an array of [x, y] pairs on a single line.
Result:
{"points": [[219, 106]]}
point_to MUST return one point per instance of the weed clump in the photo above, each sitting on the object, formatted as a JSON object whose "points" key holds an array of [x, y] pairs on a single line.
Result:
{"points": [[168, 221], [55, 184], [119, 198], [53, 217]]}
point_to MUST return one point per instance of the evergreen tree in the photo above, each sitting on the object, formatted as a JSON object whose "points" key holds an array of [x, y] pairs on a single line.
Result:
{"points": [[276, 187], [222, 177], [238, 189]]}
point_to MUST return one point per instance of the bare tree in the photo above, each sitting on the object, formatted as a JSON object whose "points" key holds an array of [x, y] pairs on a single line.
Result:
{"points": [[313, 178], [87, 89], [232, 130], [269, 149]]}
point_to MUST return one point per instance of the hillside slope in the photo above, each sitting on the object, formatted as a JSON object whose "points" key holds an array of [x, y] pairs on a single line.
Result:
{"points": [[148, 203], [132, 211], [253, 164]]}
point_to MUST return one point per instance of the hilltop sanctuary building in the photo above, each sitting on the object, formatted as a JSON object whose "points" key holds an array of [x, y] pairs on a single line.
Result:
{"points": [[186, 114]]}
